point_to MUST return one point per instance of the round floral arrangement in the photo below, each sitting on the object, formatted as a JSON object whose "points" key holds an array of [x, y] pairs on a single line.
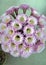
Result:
{"points": [[22, 34]]}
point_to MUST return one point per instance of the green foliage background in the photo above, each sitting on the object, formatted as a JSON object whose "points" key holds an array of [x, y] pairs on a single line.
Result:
{"points": [[40, 6]]}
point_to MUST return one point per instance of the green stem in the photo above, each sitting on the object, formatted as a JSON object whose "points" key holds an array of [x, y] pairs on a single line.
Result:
{"points": [[2, 56]]}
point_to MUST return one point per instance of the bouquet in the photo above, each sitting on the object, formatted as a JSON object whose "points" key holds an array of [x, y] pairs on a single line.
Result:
{"points": [[22, 34]]}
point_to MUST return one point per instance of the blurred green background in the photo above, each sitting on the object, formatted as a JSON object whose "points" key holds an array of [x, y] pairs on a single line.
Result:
{"points": [[40, 6]]}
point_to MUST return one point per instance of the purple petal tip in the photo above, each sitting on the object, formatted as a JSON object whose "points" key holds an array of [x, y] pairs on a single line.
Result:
{"points": [[24, 6]]}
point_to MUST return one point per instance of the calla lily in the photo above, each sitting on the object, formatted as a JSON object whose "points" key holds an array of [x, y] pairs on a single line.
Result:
{"points": [[32, 20], [29, 30], [17, 38]]}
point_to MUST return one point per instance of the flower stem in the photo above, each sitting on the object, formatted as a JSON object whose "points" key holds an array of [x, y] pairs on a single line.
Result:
{"points": [[2, 56]]}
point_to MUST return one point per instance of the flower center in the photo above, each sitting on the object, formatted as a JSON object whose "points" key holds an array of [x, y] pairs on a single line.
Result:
{"points": [[31, 22], [29, 39], [27, 49], [16, 25], [13, 45], [17, 38], [10, 32], [28, 30], [6, 38], [21, 19], [20, 46]]}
